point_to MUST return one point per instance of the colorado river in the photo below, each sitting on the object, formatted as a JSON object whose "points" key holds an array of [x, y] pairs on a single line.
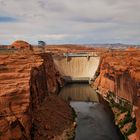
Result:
{"points": [[93, 121]]}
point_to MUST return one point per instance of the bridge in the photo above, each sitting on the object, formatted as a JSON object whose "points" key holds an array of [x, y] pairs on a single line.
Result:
{"points": [[75, 67]]}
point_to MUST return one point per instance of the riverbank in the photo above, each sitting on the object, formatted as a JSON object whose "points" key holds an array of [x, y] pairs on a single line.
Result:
{"points": [[53, 120], [123, 115], [94, 118], [119, 73]]}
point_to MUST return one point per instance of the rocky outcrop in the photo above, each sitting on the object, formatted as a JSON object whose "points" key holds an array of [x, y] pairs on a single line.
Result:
{"points": [[45, 80], [27, 84], [120, 74], [50, 114], [20, 44], [15, 94]]}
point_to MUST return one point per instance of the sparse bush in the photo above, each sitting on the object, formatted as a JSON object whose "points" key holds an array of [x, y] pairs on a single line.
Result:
{"points": [[133, 128], [123, 106], [74, 115], [97, 73], [127, 119]]}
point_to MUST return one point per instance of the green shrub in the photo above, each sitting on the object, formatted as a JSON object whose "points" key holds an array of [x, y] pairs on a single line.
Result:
{"points": [[125, 137], [74, 115], [127, 119], [123, 106], [97, 73], [133, 128]]}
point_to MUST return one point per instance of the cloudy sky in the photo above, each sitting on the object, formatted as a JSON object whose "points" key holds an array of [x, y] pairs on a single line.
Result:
{"points": [[70, 21]]}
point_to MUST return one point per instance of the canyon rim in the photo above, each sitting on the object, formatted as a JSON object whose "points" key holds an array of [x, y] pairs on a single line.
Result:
{"points": [[69, 70]]}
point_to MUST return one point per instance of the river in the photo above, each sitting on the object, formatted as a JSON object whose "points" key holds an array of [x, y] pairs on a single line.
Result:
{"points": [[93, 120]]}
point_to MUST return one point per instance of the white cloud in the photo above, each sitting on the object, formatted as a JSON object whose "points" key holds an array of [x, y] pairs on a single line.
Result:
{"points": [[71, 21]]}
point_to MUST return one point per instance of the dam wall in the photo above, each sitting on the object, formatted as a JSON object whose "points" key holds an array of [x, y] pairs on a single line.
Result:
{"points": [[77, 68]]}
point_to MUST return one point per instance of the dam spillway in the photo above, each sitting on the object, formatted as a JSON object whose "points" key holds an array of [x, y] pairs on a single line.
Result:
{"points": [[77, 66]]}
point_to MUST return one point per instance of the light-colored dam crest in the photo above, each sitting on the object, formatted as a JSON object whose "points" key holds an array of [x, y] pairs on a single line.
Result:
{"points": [[78, 68]]}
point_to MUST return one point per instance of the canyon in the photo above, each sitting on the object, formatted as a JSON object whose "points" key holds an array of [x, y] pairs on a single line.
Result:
{"points": [[28, 103], [119, 73], [30, 81]]}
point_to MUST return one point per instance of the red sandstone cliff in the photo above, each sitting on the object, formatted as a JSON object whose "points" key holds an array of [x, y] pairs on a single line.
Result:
{"points": [[19, 44], [120, 73], [50, 114], [15, 94], [26, 82]]}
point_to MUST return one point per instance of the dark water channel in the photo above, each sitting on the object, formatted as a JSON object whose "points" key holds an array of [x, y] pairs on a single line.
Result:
{"points": [[93, 120]]}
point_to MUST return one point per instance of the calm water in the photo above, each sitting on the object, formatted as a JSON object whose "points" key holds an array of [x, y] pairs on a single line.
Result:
{"points": [[93, 121]]}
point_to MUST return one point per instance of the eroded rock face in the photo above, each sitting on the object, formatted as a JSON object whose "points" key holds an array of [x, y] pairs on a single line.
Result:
{"points": [[15, 94], [45, 80], [120, 73], [26, 82], [50, 114], [20, 44]]}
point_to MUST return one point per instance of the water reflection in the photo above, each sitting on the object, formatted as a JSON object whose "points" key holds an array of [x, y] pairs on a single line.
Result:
{"points": [[94, 122], [78, 92]]}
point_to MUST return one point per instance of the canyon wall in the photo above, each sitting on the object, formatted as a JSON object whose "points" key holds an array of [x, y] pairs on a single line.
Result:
{"points": [[28, 84], [50, 114], [120, 74], [15, 94]]}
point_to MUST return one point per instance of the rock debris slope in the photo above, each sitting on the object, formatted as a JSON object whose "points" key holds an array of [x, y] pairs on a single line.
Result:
{"points": [[27, 84]]}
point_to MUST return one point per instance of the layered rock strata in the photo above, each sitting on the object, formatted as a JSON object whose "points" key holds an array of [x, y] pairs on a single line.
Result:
{"points": [[120, 74], [27, 82]]}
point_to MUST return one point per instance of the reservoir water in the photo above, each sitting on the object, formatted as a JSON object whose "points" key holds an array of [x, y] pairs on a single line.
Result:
{"points": [[93, 120]]}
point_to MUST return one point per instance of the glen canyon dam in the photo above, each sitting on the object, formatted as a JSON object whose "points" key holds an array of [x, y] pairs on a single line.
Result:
{"points": [[65, 92], [77, 66], [69, 69]]}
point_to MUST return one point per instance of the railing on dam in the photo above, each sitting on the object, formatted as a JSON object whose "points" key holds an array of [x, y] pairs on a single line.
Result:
{"points": [[80, 54]]}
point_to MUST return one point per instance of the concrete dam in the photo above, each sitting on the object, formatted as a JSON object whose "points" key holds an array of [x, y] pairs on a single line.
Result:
{"points": [[77, 66]]}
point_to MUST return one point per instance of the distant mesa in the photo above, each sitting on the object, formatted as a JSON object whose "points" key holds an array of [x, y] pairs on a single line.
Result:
{"points": [[19, 44], [131, 49]]}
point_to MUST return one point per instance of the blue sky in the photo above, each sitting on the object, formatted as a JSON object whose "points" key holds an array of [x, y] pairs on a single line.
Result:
{"points": [[70, 21], [7, 19]]}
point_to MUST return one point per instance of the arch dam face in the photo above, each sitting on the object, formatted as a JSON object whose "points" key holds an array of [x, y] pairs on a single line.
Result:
{"points": [[77, 66]]}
